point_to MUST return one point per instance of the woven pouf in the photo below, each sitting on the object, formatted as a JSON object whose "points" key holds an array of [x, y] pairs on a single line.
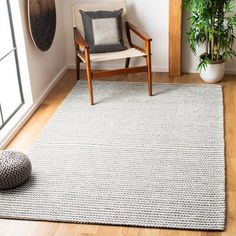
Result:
{"points": [[15, 169]]}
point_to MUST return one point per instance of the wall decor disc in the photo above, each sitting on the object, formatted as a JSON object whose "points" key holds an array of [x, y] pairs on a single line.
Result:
{"points": [[42, 22]]}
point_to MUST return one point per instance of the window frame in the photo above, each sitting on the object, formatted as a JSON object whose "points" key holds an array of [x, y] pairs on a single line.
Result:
{"points": [[13, 50]]}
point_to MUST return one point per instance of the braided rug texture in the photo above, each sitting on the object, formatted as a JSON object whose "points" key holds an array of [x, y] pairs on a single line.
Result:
{"points": [[129, 160]]}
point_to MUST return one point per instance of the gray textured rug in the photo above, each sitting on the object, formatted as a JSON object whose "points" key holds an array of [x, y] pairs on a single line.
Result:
{"points": [[129, 160]]}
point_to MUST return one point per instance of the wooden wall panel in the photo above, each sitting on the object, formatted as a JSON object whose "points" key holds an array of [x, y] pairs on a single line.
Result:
{"points": [[175, 36]]}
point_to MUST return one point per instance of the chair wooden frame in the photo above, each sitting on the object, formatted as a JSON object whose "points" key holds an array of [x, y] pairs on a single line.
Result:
{"points": [[83, 55]]}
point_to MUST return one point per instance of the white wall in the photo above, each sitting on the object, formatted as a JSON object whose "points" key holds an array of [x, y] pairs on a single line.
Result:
{"points": [[153, 16], [44, 67]]}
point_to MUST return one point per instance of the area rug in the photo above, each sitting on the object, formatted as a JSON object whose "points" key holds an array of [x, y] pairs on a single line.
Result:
{"points": [[129, 160]]}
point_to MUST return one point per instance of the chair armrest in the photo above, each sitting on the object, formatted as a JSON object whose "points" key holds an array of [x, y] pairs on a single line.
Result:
{"points": [[79, 40], [138, 32]]}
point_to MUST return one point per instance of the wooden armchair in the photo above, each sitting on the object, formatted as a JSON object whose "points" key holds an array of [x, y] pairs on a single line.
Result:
{"points": [[83, 54]]}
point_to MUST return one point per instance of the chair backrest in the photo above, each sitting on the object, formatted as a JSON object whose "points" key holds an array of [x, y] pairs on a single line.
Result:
{"points": [[98, 6]]}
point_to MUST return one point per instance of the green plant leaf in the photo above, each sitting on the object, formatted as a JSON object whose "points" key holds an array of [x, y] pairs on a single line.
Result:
{"points": [[212, 23]]}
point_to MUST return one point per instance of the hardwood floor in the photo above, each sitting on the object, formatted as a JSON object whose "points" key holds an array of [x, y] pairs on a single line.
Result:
{"points": [[31, 130]]}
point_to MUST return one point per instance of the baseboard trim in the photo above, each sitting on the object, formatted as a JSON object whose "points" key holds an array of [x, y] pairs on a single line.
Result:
{"points": [[113, 67], [31, 108], [50, 87], [230, 72], [227, 72]]}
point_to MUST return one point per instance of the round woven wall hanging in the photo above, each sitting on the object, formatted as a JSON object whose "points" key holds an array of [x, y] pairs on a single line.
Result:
{"points": [[42, 22]]}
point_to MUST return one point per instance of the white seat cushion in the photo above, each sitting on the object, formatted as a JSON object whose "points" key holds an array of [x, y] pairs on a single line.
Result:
{"points": [[130, 52]]}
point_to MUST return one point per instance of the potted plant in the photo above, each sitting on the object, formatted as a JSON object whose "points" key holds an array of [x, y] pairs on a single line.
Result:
{"points": [[212, 23]]}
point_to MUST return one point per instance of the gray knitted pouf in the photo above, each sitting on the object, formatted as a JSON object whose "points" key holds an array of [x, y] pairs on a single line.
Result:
{"points": [[15, 169]]}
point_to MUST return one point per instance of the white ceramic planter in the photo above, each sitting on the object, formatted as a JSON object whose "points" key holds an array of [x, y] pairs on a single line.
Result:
{"points": [[213, 73]]}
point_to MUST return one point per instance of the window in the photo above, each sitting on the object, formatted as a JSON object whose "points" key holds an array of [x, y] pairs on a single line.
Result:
{"points": [[11, 96]]}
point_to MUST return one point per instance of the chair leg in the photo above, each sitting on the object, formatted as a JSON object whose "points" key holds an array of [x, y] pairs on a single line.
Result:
{"points": [[89, 76], [78, 61], [89, 79], [127, 61], [149, 67], [149, 76]]}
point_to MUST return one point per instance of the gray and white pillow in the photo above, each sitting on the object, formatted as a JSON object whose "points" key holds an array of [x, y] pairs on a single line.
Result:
{"points": [[103, 30]]}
